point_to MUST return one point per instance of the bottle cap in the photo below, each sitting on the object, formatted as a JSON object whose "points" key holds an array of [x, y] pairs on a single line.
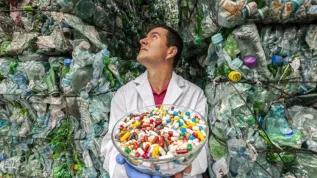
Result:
{"points": [[250, 61], [237, 62], [278, 60], [105, 52], [67, 62], [298, 2], [235, 76], [252, 8], [217, 38]]}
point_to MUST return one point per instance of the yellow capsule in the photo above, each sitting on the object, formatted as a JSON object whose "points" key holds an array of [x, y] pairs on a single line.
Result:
{"points": [[193, 124], [125, 137], [162, 107], [136, 124], [200, 135], [76, 167], [155, 151], [197, 120], [123, 131], [164, 113]]}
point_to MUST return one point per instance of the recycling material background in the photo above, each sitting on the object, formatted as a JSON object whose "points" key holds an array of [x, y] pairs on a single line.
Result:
{"points": [[61, 62]]}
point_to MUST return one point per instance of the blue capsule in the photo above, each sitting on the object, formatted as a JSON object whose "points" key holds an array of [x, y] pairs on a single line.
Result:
{"points": [[187, 113], [191, 137], [201, 128], [168, 120], [193, 119], [183, 129], [151, 115], [180, 124], [175, 113]]}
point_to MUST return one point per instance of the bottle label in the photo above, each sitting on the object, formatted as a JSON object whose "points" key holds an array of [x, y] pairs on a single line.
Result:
{"points": [[220, 168], [231, 7], [288, 9], [276, 8]]}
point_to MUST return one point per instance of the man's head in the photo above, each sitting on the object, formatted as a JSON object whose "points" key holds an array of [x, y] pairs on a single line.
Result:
{"points": [[161, 45]]}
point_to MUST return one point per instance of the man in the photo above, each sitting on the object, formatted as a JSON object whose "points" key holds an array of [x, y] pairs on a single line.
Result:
{"points": [[160, 50]]}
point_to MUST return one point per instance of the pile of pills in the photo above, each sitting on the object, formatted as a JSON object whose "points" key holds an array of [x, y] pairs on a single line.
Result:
{"points": [[161, 133]]}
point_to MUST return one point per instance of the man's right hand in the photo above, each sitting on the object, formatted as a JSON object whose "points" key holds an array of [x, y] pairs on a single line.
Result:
{"points": [[131, 172]]}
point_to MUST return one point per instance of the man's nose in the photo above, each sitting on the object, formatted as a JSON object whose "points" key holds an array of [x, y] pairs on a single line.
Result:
{"points": [[143, 41]]}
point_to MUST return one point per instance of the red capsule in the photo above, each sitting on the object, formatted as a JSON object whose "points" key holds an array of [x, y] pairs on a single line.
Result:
{"points": [[137, 154], [146, 125], [185, 139], [145, 138], [155, 140], [141, 117], [146, 149], [161, 141], [144, 156], [151, 121], [135, 146], [157, 123], [170, 133], [181, 151], [195, 134]]}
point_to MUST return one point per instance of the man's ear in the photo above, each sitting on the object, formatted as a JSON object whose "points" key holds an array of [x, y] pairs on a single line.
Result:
{"points": [[171, 52]]}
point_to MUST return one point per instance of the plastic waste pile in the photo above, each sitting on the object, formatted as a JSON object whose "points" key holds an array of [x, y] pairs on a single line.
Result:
{"points": [[262, 95], [61, 62]]}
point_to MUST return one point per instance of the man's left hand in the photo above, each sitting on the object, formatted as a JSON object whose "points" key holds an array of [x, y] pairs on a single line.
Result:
{"points": [[185, 171]]}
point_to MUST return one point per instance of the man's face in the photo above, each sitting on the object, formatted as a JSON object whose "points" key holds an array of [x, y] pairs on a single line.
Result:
{"points": [[153, 48]]}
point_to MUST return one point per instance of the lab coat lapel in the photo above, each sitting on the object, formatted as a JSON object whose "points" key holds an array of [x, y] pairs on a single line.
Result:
{"points": [[144, 89], [174, 89]]}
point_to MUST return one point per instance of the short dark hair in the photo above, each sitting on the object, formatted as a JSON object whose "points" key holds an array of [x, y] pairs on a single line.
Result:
{"points": [[173, 39]]}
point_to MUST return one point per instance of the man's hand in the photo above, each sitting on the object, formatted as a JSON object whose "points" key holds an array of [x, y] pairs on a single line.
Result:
{"points": [[181, 174], [131, 172]]}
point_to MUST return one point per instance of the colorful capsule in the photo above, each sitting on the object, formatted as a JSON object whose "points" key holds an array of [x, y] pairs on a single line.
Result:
{"points": [[189, 147], [127, 150], [200, 135], [125, 136], [156, 151], [182, 151]]}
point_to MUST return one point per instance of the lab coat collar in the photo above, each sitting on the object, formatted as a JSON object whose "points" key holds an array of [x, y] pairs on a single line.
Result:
{"points": [[174, 89]]}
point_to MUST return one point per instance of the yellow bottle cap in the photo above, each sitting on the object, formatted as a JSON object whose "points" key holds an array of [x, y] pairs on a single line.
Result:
{"points": [[235, 76]]}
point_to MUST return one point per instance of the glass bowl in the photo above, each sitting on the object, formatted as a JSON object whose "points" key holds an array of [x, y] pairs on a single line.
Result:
{"points": [[169, 161]]}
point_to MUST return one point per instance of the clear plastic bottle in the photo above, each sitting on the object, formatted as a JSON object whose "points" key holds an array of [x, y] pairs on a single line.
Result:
{"points": [[218, 43], [98, 66], [67, 63], [311, 36]]}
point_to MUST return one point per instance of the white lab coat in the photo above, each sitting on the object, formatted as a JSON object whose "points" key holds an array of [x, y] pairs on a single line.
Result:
{"points": [[138, 94]]}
